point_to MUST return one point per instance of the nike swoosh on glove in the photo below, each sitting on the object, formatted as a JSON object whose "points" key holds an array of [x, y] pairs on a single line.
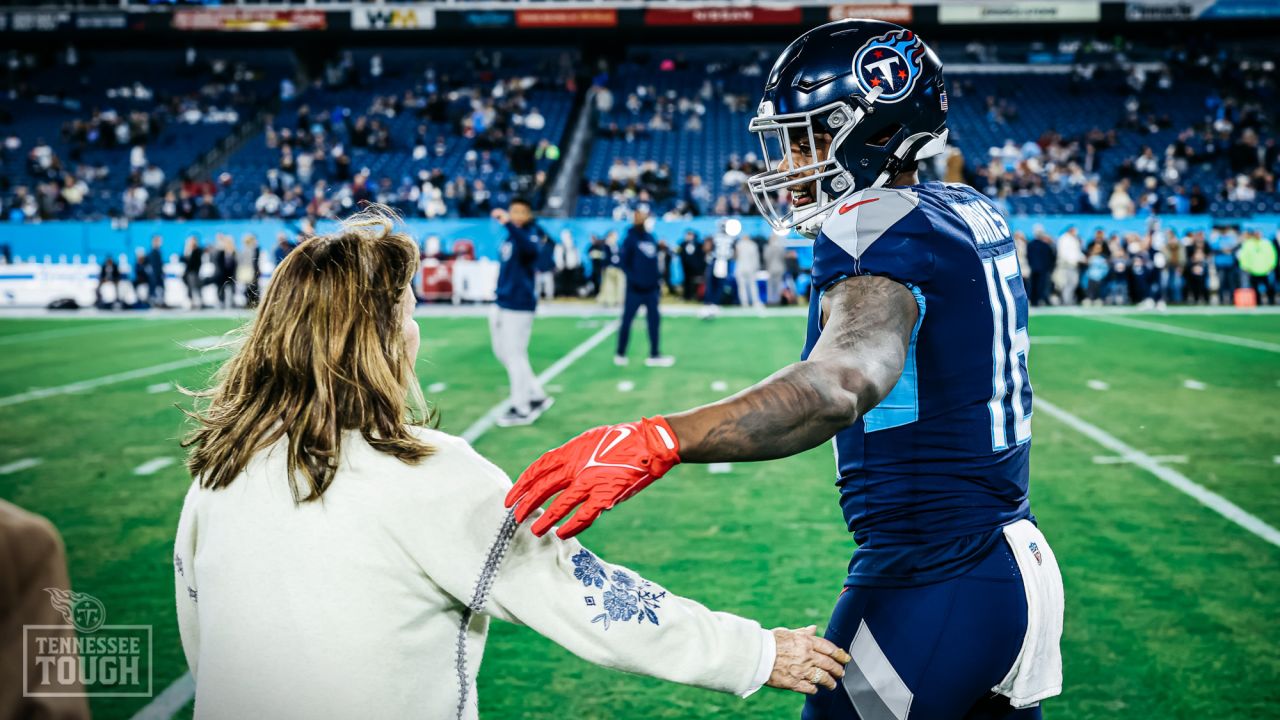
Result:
{"points": [[597, 470]]}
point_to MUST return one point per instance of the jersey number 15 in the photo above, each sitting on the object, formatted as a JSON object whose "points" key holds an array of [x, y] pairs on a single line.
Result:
{"points": [[1010, 403]]}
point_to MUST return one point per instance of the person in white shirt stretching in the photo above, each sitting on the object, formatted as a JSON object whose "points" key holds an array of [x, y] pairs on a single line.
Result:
{"points": [[335, 558]]}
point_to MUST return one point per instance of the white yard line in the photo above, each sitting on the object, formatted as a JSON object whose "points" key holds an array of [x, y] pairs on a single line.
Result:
{"points": [[1098, 385], [56, 333], [1176, 310], [1201, 494], [1193, 385], [486, 421], [1114, 460], [670, 308], [19, 465], [170, 701], [151, 467], [90, 384], [1187, 332], [204, 343], [720, 468], [176, 696], [159, 388], [626, 386], [1055, 340]]}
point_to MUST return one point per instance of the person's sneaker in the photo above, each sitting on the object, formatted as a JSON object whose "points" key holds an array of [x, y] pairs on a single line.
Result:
{"points": [[537, 407], [620, 360], [660, 361], [513, 418]]}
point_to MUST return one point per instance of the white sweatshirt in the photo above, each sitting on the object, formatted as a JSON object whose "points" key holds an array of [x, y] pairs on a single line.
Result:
{"points": [[375, 600]]}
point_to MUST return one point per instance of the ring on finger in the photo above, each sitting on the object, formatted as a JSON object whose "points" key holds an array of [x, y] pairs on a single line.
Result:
{"points": [[815, 676]]}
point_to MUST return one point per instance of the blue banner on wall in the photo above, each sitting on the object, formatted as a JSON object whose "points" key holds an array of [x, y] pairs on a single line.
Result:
{"points": [[68, 239], [55, 239]]}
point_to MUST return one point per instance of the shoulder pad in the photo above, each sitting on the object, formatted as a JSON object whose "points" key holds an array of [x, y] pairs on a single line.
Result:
{"points": [[866, 215]]}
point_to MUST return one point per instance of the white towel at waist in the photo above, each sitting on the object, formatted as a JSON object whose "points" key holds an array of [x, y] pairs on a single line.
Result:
{"points": [[1037, 672]]}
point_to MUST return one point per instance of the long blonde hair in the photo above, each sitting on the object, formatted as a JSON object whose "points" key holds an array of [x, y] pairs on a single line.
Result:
{"points": [[325, 354]]}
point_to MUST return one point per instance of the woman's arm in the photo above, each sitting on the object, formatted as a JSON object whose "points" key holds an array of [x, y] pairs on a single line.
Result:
{"points": [[603, 613], [611, 616], [184, 581]]}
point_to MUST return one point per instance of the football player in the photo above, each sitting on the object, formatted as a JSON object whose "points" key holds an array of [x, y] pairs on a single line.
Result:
{"points": [[915, 363]]}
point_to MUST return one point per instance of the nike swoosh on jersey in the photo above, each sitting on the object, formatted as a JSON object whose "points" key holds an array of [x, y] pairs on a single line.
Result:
{"points": [[846, 208]]}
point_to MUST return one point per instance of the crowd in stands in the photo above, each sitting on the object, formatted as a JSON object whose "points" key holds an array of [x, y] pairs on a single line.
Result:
{"points": [[1193, 133], [1154, 268], [458, 133], [453, 135], [673, 128], [447, 140], [103, 134], [1196, 136]]}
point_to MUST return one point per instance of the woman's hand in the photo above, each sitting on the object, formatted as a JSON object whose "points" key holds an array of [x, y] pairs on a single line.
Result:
{"points": [[804, 661]]}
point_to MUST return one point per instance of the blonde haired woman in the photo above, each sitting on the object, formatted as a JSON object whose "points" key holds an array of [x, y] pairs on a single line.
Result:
{"points": [[337, 559]]}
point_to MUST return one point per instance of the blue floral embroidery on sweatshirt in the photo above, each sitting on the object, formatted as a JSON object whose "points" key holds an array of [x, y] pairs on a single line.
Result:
{"points": [[587, 569], [625, 596]]}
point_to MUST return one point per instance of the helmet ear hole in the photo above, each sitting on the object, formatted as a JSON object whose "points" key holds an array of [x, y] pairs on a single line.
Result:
{"points": [[883, 137]]}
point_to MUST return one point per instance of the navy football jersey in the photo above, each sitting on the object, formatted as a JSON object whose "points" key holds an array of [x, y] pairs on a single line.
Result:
{"points": [[518, 256], [929, 476]]}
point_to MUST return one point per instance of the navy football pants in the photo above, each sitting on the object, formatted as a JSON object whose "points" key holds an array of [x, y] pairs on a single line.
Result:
{"points": [[634, 301], [931, 652]]}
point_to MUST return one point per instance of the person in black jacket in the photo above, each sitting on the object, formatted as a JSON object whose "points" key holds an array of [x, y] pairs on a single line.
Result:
{"points": [[155, 271], [639, 261], [598, 256], [1042, 257], [109, 275], [192, 259], [224, 270], [141, 277], [664, 266], [693, 262]]}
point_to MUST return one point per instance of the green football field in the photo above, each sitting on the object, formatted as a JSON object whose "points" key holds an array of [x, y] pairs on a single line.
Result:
{"points": [[1172, 607]]}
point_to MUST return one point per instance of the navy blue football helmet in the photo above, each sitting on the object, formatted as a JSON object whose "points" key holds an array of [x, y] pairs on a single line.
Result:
{"points": [[874, 89]]}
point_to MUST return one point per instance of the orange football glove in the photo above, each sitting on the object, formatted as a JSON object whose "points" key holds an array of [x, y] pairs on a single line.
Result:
{"points": [[597, 470]]}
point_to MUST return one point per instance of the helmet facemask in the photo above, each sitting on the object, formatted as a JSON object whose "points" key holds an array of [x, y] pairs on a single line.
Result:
{"points": [[831, 181], [833, 177]]}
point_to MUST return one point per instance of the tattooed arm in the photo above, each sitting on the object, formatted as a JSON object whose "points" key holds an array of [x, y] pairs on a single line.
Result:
{"points": [[856, 362]]}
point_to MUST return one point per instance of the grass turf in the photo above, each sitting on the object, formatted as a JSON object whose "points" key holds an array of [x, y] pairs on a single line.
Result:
{"points": [[1171, 609]]}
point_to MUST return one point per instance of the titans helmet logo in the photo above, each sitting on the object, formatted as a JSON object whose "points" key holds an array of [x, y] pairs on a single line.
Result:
{"points": [[890, 62], [84, 611]]}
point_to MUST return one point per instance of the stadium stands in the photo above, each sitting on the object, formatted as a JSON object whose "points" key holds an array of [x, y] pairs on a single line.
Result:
{"points": [[80, 131], [447, 133], [685, 110], [1074, 136], [1042, 138], [439, 134]]}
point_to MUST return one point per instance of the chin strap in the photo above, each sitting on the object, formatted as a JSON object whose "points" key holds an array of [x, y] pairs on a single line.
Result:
{"points": [[916, 147], [810, 227]]}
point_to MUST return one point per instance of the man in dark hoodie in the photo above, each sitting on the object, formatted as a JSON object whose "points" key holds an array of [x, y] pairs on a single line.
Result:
{"points": [[511, 322], [155, 271], [639, 261]]}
